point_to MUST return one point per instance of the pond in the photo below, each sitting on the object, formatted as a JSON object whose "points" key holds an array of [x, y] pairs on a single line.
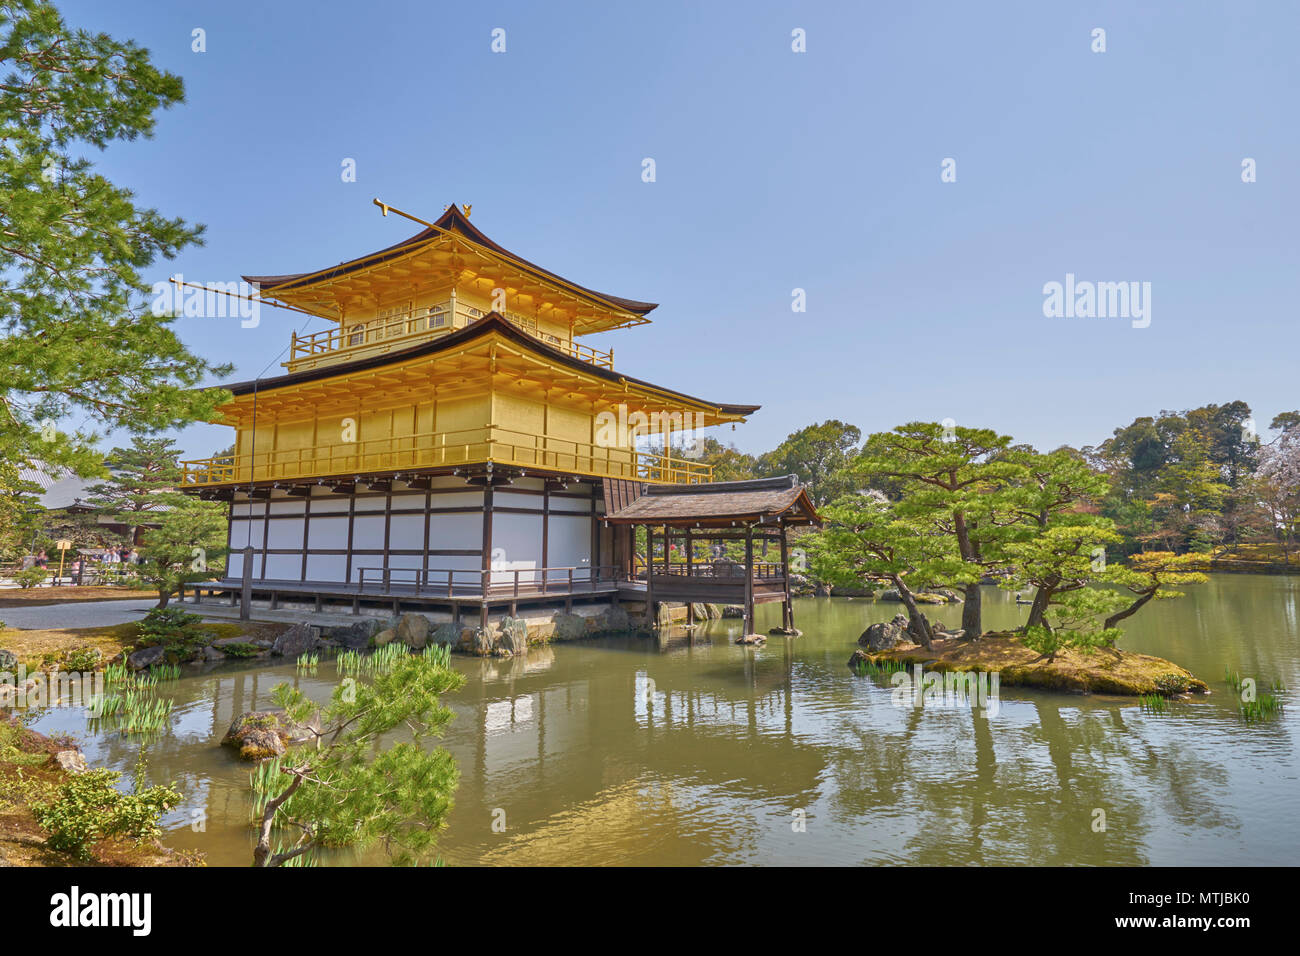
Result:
{"points": [[692, 750]]}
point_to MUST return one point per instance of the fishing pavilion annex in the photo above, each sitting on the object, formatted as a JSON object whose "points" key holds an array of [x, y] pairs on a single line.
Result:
{"points": [[446, 443]]}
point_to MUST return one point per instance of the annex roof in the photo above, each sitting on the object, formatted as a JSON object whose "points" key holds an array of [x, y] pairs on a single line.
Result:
{"points": [[721, 503]]}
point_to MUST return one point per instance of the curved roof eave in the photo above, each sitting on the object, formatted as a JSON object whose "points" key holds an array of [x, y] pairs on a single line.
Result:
{"points": [[492, 322], [453, 220]]}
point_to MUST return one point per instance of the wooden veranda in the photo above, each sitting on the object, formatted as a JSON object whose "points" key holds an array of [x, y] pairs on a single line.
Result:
{"points": [[677, 521]]}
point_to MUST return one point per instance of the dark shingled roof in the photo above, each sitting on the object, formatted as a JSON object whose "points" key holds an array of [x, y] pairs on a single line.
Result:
{"points": [[720, 503], [455, 221]]}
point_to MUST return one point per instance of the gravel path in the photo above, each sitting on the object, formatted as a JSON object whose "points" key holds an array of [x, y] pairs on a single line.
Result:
{"points": [[75, 614]]}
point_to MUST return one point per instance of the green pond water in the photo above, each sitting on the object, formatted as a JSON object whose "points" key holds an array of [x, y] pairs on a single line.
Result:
{"points": [[694, 750]]}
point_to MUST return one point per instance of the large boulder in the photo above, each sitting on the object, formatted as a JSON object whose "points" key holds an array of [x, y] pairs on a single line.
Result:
{"points": [[478, 641], [513, 638], [8, 660], [72, 761], [259, 734], [447, 633], [384, 637], [260, 644], [413, 630], [146, 657], [297, 640], [355, 637], [569, 627], [616, 620], [886, 635]]}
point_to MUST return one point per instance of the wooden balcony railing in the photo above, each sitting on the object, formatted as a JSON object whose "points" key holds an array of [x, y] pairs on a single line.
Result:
{"points": [[498, 582], [722, 571], [438, 449], [357, 340]]}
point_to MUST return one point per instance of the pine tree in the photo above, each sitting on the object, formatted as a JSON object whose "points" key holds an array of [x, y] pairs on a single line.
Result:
{"points": [[961, 479], [188, 544], [142, 486], [77, 335], [342, 790]]}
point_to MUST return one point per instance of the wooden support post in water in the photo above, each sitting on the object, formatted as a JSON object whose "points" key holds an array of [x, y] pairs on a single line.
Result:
{"points": [[787, 612], [650, 575], [749, 581]]}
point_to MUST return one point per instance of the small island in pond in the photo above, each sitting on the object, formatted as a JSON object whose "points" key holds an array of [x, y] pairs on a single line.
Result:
{"points": [[1101, 671]]}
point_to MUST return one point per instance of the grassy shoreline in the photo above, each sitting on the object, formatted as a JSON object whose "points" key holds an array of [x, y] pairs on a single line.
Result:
{"points": [[27, 763]]}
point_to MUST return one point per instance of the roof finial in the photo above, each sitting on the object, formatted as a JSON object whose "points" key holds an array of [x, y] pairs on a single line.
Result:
{"points": [[467, 208]]}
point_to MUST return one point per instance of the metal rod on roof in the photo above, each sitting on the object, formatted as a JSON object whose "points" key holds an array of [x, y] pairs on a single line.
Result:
{"points": [[246, 298], [512, 260]]}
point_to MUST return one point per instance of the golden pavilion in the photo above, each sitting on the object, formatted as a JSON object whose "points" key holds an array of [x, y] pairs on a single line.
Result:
{"points": [[445, 439]]}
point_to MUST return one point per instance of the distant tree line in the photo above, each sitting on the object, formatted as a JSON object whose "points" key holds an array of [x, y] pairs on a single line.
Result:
{"points": [[1196, 481]]}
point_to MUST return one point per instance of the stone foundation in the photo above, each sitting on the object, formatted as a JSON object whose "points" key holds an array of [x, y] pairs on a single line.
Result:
{"points": [[505, 636]]}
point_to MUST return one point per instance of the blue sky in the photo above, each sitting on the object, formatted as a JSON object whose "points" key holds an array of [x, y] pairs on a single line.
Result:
{"points": [[775, 170]]}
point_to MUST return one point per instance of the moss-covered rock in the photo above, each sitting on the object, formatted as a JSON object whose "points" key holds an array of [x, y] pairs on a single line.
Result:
{"points": [[512, 639], [446, 633], [1102, 671], [260, 734]]}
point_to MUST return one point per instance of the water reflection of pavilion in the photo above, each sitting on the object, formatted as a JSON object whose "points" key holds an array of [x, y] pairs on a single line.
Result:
{"points": [[645, 739]]}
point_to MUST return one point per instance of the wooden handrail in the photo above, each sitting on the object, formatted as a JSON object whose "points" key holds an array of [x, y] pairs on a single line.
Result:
{"points": [[415, 324], [477, 581], [435, 449]]}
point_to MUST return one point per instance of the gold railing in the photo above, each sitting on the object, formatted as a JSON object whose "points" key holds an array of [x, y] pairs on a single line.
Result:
{"points": [[357, 340], [440, 449]]}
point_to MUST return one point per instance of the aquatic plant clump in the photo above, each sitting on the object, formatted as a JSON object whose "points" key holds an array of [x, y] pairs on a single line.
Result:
{"points": [[130, 703], [1154, 704], [865, 667], [381, 661], [1253, 705]]}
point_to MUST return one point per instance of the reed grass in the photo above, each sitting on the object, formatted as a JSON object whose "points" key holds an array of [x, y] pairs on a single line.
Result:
{"points": [[1263, 707], [381, 661], [1154, 704], [886, 667]]}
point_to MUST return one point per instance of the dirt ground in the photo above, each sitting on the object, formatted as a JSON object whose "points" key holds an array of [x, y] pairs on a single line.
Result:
{"points": [[35, 597]]}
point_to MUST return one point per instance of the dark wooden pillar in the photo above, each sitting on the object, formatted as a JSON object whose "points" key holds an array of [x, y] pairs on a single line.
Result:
{"points": [[487, 551], [246, 586], [546, 526], [787, 610], [749, 580], [650, 574]]}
